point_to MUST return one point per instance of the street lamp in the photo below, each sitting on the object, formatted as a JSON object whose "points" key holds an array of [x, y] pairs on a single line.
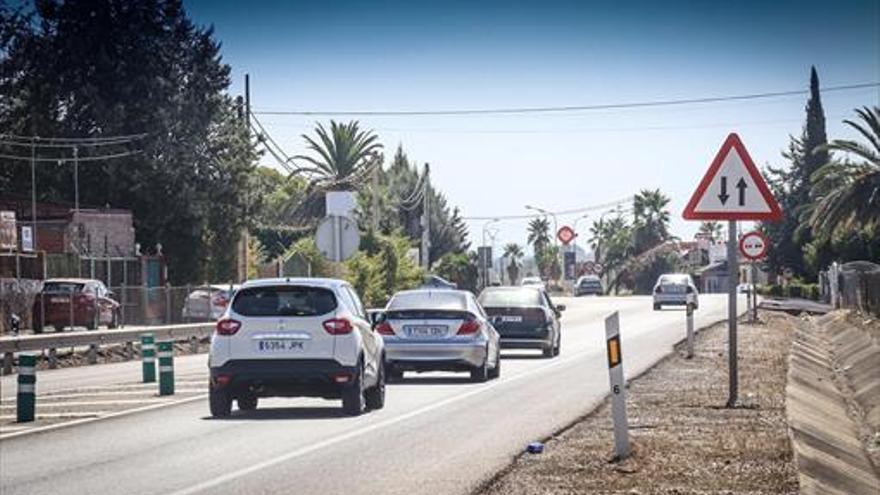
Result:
{"points": [[576, 235], [484, 268], [555, 231]]}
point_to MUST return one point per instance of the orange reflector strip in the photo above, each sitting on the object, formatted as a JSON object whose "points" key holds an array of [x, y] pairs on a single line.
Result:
{"points": [[614, 356]]}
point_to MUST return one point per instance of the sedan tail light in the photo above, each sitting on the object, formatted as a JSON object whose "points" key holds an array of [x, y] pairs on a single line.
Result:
{"points": [[228, 327], [384, 328], [338, 326], [469, 327]]}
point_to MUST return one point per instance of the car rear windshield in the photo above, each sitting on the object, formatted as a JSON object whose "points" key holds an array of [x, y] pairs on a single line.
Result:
{"points": [[440, 299], [674, 279], [62, 287], [284, 301], [510, 298]]}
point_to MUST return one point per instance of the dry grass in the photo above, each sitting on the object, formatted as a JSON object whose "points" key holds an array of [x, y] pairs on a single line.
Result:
{"points": [[685, 440]]}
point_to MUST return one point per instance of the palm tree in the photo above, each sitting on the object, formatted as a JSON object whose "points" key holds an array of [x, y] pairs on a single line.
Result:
{"points": [[539, 233], [344, 157], [711, 229], [650, 219], [847, 194], [514, 253]]}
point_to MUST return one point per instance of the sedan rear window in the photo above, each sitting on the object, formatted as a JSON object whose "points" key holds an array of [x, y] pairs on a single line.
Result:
{"points": [[510, 298], [62, 287], [429, 299], [284, 301]]}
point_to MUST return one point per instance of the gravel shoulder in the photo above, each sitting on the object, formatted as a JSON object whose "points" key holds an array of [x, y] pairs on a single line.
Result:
{"points": [[684, 439]]}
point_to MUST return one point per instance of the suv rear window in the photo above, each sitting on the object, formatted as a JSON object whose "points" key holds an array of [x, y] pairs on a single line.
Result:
{"points": [[284, 301]]}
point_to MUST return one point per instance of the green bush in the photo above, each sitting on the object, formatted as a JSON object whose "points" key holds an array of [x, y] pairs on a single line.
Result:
{"points": [[382, 269]]}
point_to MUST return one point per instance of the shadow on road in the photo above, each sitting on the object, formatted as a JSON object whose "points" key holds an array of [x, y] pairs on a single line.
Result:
{"points": [[519, 355], [432, 380], [283, 413]]}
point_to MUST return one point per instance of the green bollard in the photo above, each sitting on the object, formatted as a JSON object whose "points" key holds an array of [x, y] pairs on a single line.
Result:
{"points": [[148, 355], [27, 388], [166, 368]]}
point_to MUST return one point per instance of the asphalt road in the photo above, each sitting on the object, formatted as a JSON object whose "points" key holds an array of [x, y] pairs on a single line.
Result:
{"points": [[438, 434]]}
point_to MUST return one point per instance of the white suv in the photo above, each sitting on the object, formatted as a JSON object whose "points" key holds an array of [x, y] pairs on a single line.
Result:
{"points": [[292, 338]]}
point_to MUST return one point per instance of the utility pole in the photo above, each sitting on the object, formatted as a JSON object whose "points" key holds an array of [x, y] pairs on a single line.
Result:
{"points": [[243, 249], [34, 192], [426, 223], [76, 179]]}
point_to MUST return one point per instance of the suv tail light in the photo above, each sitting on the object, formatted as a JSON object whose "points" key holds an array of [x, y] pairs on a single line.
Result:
{"points": [[338, 326], [384, 328], [228, 327], [469, 327]]}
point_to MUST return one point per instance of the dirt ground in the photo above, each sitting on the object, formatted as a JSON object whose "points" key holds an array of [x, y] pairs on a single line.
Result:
{"points": [[684, 440]]}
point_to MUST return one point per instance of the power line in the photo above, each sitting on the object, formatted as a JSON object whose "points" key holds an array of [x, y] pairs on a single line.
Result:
{"points": [[72, 141], [78, 159], [562, 212], [567, 108]]}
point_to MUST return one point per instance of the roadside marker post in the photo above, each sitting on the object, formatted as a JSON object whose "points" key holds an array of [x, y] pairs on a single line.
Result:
{"points": [[715, 199], [166, 368], [618, 386], [148, 357], [26, 401], [690, 331]]}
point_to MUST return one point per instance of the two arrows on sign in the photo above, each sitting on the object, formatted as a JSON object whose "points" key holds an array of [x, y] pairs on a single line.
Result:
{"points": [[741, 185], [732, 166]]}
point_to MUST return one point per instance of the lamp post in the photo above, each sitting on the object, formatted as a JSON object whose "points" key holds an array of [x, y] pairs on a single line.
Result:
{"points": [[576, 235], [484, 263], [555, 239]]}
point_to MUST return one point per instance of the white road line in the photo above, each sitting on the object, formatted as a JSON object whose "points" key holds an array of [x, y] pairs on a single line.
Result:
{"points": [[60, 396], [42, 429], [376, 426]]}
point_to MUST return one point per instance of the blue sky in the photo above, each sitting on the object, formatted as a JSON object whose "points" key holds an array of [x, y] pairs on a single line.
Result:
{"points": [[451, 55]]}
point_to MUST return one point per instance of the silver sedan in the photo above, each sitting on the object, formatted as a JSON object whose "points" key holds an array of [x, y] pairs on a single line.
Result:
{"points": [[438, 330]]}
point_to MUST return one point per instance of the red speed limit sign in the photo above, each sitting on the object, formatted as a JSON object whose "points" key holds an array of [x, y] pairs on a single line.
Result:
{"points": [[753, 245]]}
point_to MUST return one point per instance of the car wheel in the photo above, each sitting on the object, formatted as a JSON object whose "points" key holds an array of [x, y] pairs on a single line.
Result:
{"points": [[496, 371], [220, 403], [375, 396], [480, 374], [353, 403], [59, 328], [114, 320], [392, 374], [558, 348], [656, 307], [247, 403], [547, 351]]}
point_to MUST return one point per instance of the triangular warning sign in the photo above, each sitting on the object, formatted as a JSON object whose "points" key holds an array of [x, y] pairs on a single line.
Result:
{"points": [[732, 189]]}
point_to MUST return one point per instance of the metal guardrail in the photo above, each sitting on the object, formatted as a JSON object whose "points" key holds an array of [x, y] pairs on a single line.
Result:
{"points": [[95, 338]]}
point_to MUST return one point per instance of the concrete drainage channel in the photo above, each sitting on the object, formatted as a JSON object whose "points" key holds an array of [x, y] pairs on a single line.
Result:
{"points": [[833, 404]]}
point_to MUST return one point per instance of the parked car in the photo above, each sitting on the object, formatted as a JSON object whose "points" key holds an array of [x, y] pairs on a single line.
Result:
{"points": [[676, 289], [588, 284], [533, 282], [74, 302], [525, 317], [296, 337], [207, 303], [439, 330]]}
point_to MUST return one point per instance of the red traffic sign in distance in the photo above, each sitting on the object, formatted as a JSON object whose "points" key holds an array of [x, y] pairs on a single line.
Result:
{"points": [[753, 245], [732, 189], [566, 234]]}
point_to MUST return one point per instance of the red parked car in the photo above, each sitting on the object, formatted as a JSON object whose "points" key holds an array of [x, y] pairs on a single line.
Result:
{"points": [[72, 302]]}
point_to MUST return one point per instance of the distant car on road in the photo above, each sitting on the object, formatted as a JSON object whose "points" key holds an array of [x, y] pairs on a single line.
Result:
{"points": [[74, 302], [525, 317], [744, 288], [296, 337], [675, 289], [439, 330], [533, 282], [207, 303], [588, 284]]}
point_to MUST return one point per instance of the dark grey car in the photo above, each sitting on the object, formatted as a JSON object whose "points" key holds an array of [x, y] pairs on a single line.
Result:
{"points": [[525, 317]]}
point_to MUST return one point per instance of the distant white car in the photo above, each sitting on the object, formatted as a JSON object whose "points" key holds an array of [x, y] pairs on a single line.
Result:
{"points": [[675, 289], [207, 303], [533, 282]]}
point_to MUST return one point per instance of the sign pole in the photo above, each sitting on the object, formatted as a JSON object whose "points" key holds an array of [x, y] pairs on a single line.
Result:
{"points": [[733, 272]]}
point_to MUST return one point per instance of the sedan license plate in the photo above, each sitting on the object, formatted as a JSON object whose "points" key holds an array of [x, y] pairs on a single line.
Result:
{"points": [[58, 300], [424, 331], [286, 345], [511, 319]]}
